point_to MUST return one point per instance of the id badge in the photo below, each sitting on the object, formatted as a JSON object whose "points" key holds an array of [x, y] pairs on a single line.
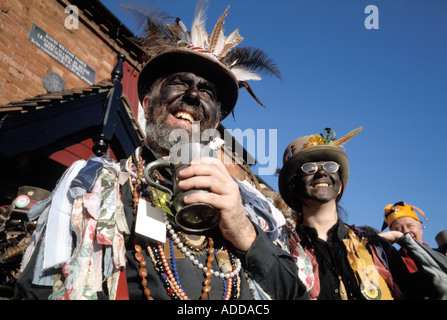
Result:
{"points": [[150, 222]]}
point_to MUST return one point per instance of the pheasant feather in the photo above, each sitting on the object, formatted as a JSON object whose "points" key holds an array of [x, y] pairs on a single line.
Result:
{"points": [[217, 36], [230, 42]]}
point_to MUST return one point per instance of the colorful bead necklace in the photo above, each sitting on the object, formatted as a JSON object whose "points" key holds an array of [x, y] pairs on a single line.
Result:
{"points": [[190, 254], [229, 265]]}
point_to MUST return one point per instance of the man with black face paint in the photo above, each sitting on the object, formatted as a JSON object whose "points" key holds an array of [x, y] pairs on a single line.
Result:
{"points": [[176, 102], [349, 262], [242, 257]]}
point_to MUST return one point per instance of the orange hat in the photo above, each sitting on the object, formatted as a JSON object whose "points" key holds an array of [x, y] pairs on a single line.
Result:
{"points": [[399, 210]]}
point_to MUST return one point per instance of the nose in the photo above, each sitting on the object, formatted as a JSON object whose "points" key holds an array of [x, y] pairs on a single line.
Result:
{"points": [[191, 96], [320, 172]]}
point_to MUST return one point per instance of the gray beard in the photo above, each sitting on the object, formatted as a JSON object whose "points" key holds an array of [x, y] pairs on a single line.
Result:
{"points": [[161, 138], [158, 135]]}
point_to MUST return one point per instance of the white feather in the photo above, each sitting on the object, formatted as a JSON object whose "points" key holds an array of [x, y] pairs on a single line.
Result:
{"points": [[243, 74], [199, 36]]}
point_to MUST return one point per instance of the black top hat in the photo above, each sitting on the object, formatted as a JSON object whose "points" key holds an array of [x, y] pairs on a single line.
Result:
{"points": [[441, 238]]}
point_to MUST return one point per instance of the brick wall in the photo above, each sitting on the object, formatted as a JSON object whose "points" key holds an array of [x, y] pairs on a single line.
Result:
{"points": [[23, 64]]}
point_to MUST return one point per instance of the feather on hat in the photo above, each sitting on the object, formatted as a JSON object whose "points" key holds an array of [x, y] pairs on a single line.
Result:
{"points": [[172, 48]]}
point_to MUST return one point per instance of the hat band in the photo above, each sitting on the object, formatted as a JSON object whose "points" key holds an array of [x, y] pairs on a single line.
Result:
{"points": [[203, 51]]}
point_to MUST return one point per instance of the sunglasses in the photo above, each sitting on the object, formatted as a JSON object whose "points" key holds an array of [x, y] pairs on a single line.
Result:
{"points": [[328, 166]]}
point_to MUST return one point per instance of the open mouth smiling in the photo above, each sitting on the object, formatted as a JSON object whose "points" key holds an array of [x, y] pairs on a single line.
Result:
{"points": [[184, 116], [320, 185]]}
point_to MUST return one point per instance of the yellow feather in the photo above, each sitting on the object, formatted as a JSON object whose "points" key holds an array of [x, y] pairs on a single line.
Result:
{"points": [[349, 136]]}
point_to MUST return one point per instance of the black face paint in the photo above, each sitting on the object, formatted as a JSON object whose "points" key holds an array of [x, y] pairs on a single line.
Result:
{"points": [[320, 186]]}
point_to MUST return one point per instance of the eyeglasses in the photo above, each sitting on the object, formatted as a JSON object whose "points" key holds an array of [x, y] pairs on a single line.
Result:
{"points": [[328, 166]]}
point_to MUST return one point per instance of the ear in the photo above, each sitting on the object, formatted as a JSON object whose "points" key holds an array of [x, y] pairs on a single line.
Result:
{"points": [[146, 103], [341, 187]]}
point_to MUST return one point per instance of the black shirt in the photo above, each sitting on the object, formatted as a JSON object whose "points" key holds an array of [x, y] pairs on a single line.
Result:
{"points": [[332, 261]]}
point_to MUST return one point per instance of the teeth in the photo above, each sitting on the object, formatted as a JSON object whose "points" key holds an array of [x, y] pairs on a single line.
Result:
{"points": [[318, 185], [184, 116]]}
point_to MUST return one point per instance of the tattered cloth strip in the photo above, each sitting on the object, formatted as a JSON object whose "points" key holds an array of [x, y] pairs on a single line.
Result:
{"points": [[260, 210], [372, 285], [307, 264], [93, 221], [58, 225], [106, 221], [52, 237]]}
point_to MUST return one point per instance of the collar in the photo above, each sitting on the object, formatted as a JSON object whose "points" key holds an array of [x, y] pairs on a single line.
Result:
{"points": [[336, 232]]}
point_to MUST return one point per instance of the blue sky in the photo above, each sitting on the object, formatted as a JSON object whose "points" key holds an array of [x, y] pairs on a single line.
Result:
{"points": [[337, 73]]}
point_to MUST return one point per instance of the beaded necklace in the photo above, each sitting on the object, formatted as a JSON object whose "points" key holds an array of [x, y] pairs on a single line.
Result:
{"points": [[229, 266]]}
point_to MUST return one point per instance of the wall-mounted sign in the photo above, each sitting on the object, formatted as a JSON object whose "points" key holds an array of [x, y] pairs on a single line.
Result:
{"points": [[61, 54], [53, 82]]}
